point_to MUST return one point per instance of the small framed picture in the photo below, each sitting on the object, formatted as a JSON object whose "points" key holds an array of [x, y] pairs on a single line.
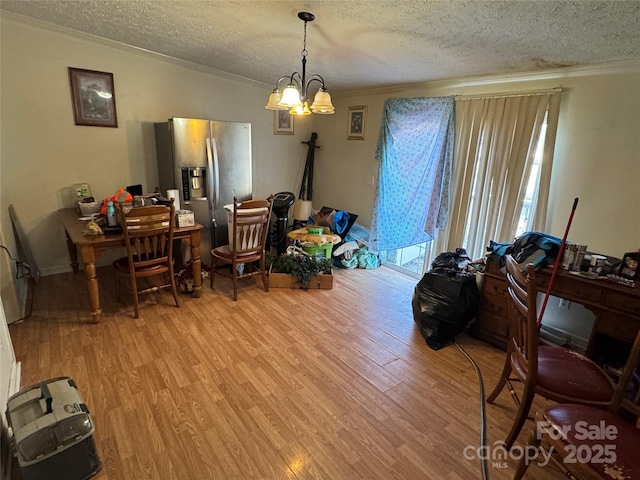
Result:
{"points": [[94, 98], [630, 266], [282, 122], [357, 122]]}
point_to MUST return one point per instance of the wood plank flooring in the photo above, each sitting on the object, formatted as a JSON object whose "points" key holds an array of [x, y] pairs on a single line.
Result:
{"points": [[291, 384]]}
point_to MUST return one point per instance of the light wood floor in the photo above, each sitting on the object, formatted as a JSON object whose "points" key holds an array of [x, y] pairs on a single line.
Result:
{"points": [[291, 384]]}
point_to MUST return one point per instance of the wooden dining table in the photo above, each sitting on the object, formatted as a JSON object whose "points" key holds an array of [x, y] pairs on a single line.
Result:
{"points": [[90, 247]]}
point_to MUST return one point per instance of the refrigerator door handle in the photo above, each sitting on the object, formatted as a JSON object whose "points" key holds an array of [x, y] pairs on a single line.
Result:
{"points": [[212, 186], [216, 171]]}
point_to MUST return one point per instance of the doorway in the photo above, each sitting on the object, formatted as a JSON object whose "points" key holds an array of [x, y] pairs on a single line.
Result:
{"points": [[408, 260]]}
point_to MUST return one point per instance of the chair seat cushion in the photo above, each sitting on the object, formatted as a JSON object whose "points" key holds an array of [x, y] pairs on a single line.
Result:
{"points": [[603, 436], [224, 252], [567, 376]]}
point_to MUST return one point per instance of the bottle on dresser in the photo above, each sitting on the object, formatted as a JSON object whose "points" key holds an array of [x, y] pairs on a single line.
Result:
{"points": [[111, 215]]}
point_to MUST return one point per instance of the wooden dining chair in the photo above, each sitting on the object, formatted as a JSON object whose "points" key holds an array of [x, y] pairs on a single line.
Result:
{"points": [[556, 373], [246, 252], [591, 443], [148, 237]]}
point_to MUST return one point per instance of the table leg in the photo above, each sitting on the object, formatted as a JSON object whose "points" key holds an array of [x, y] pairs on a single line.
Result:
{"points": [[196, 263], [73, 253], [88, 255]]}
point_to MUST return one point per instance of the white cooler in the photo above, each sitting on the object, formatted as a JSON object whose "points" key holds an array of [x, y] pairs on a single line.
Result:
{"points": [[231, 229]]}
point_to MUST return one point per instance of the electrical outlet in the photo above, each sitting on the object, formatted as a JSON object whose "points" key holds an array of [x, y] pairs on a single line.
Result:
{"points": [[371, 180], [564, 303]]}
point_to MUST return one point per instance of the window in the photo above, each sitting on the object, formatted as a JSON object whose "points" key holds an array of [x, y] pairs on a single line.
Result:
{"points": [[501, 171], [525, 223], [409, 260], [415, 151]]}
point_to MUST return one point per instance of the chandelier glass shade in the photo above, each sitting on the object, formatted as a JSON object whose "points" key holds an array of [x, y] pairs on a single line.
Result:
{"points": [[294, 97]]}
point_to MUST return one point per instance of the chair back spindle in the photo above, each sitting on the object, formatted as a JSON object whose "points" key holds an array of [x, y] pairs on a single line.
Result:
{"points": [[556, 373], [560, 439], [627, 394], [522, 319], [148, 238], [248, 230]]}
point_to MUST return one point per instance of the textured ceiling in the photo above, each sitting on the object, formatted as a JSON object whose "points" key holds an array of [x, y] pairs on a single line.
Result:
{"points": [[361, 43]]}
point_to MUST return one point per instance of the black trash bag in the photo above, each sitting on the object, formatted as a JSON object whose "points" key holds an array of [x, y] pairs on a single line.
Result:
{"points": [[457, 260], [444, 302]]}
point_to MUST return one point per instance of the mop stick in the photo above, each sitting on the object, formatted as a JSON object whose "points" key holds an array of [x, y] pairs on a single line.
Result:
{"points": [[557, 262]]}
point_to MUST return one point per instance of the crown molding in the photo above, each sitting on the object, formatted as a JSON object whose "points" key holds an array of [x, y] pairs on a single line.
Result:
{"points": [[127, 48], [559, 73]]}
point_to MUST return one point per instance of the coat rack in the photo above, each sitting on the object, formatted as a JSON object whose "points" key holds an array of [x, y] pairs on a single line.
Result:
{"points": [[302, 207]]}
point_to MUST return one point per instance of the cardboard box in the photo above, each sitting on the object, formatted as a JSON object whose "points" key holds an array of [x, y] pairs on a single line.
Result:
{"points": [[185, 218], [284, 280]]}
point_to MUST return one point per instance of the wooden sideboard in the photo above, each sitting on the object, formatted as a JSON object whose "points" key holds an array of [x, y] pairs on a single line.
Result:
{"points": [[616, 309]]}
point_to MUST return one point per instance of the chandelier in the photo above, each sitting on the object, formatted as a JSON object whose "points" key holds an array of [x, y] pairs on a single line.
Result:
{"points": [[295, 95]]}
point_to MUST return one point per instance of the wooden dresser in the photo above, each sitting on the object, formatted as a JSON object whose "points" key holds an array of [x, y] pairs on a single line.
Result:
{"points": [[616, 309]]}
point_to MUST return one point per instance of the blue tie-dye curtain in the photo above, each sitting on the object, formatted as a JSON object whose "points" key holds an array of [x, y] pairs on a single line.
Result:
{"points": [[415, 151]]}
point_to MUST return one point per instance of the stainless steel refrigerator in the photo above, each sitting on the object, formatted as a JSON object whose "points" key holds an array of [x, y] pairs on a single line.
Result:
{"points": [[209, 162]]}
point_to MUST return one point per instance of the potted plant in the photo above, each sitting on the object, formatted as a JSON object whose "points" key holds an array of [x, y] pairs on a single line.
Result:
{"points": [[300, 270]]}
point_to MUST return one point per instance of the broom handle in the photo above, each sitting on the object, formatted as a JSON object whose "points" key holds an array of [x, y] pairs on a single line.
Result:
{"points": [[557, 262]]}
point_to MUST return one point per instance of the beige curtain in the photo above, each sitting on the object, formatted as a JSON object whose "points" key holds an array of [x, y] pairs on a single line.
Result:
{"points": [[496, 140]]}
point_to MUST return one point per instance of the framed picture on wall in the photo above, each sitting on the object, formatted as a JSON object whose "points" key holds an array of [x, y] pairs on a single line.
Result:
{"points": [[356, 122], [630, 266], [94, 98], [282, 122]]}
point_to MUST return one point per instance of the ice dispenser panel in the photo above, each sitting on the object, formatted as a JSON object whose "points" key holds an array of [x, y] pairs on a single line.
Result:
{"points": [[194, 185]]}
